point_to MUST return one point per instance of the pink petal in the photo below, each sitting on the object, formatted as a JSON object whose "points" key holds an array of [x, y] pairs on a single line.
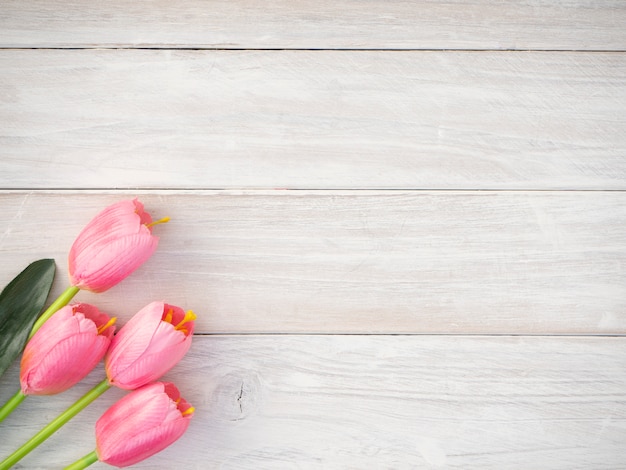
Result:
{"points": [[143, 215], [151, 366], [58, 326], [164, 337], [146, 405], [141, 424], [133, 339], [64, 365], [92, 313], [178, 314], [146, 347], [149, 442], [111, 246], [116, 220], [104, 265], [118, 414]]}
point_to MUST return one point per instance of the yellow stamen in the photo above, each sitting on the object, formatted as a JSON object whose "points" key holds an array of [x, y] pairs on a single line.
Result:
{"points": [[108, 324], [168, 316], [189, 316], [189, 411], [164, 220]]}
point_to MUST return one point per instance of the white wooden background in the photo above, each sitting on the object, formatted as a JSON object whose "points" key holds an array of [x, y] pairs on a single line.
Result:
{"points": [[401, 224]]}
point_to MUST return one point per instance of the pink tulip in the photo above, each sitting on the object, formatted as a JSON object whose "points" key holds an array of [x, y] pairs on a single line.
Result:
{"points": [[113, 245], [141, 424], [149, 345], [65, 349]]}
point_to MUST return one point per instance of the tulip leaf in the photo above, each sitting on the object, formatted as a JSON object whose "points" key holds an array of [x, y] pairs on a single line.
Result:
{"points": [[21, 302]]}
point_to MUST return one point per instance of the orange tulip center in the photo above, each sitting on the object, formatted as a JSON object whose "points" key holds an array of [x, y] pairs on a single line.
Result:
{"points": [[181, 325], [108, 324], [188, 411]]}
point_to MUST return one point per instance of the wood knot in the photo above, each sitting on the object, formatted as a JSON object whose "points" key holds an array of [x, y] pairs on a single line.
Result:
{"points": [[237, 395]]}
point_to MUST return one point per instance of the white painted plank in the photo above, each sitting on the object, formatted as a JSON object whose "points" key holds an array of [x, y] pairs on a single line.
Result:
{"points": [[353, 24], [312, 119], [356, 262], [320, 402]]}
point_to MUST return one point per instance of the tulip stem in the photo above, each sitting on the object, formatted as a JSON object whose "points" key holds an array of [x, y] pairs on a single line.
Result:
{"points": [[59, 303], [10, 405], [83, 462], [55, 424]]}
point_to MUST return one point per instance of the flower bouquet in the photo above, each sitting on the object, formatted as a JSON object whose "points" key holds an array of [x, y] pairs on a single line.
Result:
{"points": [[60, 346]]}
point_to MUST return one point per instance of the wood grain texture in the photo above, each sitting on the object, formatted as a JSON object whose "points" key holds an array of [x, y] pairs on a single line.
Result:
{"points": [[381, 311], [347, 24], [320, 402], [312, 119], [346, 262]]}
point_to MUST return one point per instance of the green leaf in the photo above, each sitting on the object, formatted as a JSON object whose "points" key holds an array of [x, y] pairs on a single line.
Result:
{"points": [[21, 302]]}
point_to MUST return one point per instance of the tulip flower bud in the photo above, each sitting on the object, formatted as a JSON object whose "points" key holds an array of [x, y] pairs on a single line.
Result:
{"points": [[113, 245], [149, 345], [65, 349], [141, 424]]}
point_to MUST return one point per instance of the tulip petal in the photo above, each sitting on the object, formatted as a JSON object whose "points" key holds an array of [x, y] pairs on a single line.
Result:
{"points": [[139, 425], [59, 326], [146, 405], [105, 249], [68, 321], [144, 217], [149, 367], [106, 264], [133, 339], [118, 219], [147, 347], [148, 408], [165, 336], [64, 350], [112, 245], [92, 313], [64, 365], [147, 443]]}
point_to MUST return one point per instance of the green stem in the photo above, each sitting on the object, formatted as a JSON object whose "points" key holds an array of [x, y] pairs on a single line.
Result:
{"points": [[55, 424], [10, 405], [59, 303], [84, 462]]}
